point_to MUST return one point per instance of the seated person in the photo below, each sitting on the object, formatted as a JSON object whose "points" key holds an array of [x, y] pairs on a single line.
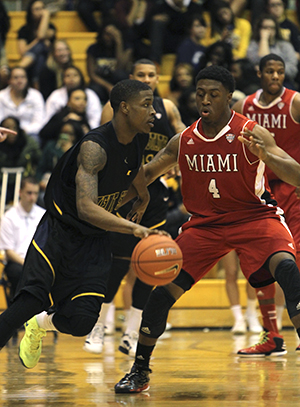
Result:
{"points": [[72, 78]]}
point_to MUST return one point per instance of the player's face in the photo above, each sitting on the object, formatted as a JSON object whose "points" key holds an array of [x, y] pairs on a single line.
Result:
{"points": [[212, 100], [272, 77], [146, 74], [140, 112]]}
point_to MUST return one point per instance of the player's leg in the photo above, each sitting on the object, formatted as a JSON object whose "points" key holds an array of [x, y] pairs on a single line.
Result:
{"points": [[251, 312], [230, 264], [153, 325]]}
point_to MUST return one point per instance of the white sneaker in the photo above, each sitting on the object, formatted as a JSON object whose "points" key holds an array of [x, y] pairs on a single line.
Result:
{"points": [[240, 327], [109, 328], [128, 343], [253, 324], [168, 326], [94, 340]]}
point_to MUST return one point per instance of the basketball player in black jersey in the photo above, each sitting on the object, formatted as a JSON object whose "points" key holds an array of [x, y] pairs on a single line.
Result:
{"points": [[167, 123], [68, 261]]}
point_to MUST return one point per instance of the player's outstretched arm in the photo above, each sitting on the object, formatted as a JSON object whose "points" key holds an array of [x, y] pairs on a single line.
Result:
{"points": [[92, 159], [140, 205], [261, 143], [163, 161], [4, 133]]}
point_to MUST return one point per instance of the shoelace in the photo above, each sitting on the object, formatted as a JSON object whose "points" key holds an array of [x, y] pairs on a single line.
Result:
{"points": [[35, 338], [264, 339], [96, 335]]}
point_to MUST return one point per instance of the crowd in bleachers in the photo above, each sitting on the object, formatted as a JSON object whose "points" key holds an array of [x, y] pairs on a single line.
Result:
{"points": [[44, 90]]}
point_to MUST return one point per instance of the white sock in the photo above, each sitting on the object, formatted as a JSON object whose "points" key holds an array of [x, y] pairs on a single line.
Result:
{"points": [[279, 312], [45, 321], [110, 317], [103, 313], [134, 320], [251, 307], [237, 312]]}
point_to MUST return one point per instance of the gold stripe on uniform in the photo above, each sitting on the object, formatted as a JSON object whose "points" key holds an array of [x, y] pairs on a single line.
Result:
{"points": [[57, 208], [45, 257], [51, 299], [151, 227], [85, 294]]}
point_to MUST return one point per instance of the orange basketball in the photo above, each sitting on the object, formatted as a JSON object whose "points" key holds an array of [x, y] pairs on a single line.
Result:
{"points": [[156, 260]]}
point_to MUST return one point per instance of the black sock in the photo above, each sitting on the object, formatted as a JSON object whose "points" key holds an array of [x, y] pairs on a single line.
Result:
{"points": [[21, 310], [142, 356]]}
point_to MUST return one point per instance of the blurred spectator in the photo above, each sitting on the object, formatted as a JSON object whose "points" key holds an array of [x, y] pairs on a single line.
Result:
{"points": [[244, 73], [34, 39], [182, 78], [18, 226], [75, 109], [86, 9], [187, 106], [23, 102], [224, 26], [73, 78], [289, 31], [51, 76], [190, 50], [107, 61], [18, 150], [69, 133], [167, 24], [219, 53], [4, 27], [267, 39]]}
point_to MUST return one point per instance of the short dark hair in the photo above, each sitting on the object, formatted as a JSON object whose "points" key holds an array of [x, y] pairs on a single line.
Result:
{"points": [[217, 73], [142, 61], [267, 58], [125, 90], [28, 180]]}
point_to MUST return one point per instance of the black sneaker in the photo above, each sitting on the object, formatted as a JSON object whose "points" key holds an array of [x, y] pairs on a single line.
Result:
{"points": [[134, 382]]}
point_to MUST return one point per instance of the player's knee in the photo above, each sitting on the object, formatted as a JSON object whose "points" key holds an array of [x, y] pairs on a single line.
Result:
{"points": [[288, 277], [156, 312], [81, 325]]}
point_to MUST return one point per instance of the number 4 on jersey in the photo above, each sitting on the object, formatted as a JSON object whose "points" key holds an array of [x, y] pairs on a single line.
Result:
{"points": [[213, 188]]}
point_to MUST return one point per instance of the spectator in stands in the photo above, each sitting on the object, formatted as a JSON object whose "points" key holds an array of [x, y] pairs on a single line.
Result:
{"points": [[224, 26], [107, 61], [73, 78], [289, 31], [18, 150], [244, 73], [4, 27], [182, 78], [17, 229], [131, 17], [86, 9], [75, 109], [219, 53], [167, 26], [266, 39], [23, 102], [51, 76], [190, 50], [187, 106], [34, 39], [70, 132]]}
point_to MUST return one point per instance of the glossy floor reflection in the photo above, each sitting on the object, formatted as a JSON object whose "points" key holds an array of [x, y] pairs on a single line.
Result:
{"points": [[192, 368]]}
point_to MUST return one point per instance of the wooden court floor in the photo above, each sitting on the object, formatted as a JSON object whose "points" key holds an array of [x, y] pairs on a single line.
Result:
{"points": [[190, 368]]}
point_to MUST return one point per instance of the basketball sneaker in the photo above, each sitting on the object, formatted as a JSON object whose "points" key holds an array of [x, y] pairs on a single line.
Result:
{"points": [[128, 343], [298, 349], [31, 345], [135, 381], [95, 339], [271, 344], [240, 327]]}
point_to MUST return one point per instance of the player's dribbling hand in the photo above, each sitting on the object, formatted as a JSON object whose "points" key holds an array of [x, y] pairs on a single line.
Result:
{"points": [[254, 142], [4, 132], [142, 232]]}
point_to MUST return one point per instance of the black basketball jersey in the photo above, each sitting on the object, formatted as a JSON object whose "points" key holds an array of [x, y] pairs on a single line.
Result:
{"points": [[159, 136], [123, 163]]}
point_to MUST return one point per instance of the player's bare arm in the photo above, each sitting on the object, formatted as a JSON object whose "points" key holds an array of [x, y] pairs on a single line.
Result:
{"points": [[92, 159], [174, 116], [107, 113], [141, 203], [295, 109], [163, 161], [261, 143], [238, 106]]}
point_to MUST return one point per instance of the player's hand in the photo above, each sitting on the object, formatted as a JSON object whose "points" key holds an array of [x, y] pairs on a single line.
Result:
{"points": [[138, 209], [4, 132], [143, 232], [254, 143]]}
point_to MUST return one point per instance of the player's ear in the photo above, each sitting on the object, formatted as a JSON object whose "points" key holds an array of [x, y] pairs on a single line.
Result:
{"points": [[124, 107], [229, 97], [258, 74]]}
